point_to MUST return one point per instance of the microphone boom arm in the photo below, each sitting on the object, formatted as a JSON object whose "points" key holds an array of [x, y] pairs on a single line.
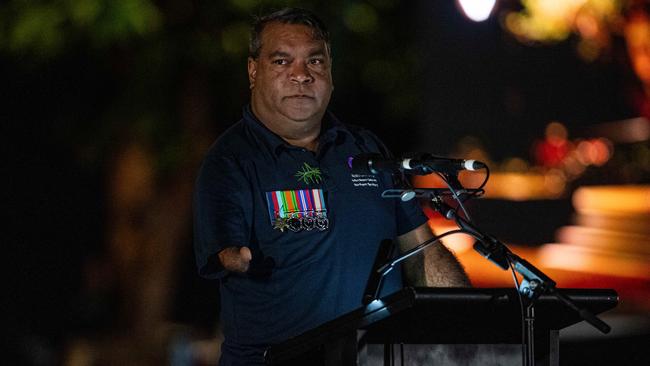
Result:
{"points": [[537, 282]]}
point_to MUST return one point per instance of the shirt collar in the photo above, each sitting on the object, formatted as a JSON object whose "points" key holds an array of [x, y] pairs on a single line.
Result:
{"points": [[331, 129]]}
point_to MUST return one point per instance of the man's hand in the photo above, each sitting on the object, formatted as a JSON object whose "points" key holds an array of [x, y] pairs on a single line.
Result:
{"points": [[236, 259]]}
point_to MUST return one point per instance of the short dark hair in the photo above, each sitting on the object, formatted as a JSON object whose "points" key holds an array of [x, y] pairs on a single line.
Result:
{"points": [[286, 16]]}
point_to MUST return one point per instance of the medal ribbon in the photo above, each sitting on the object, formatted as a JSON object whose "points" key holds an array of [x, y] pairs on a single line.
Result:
{"points": [[295, 203]]}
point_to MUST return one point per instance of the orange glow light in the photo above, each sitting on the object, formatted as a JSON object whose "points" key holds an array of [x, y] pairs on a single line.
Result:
{"points": [[612, 200]]}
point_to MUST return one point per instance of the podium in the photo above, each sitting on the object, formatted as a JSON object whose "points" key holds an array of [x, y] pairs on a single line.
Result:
{"points": [[446, 316]]}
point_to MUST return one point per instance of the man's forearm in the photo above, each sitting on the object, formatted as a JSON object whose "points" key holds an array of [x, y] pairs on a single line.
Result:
{"points": [[435, 267], [443, 269]]}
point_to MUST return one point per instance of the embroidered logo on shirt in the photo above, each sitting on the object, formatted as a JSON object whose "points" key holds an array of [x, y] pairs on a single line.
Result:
{"points": [[296, 210], [309, 174], [364, 180]]}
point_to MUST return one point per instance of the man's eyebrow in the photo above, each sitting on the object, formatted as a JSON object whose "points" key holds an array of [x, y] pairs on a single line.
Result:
{"points": [[318, 52], [278, 54]]}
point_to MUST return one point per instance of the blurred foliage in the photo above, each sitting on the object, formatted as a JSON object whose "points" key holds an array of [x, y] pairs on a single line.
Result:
{"points": [[551, 21], [46, 28], [360, 18], [150, 54]]}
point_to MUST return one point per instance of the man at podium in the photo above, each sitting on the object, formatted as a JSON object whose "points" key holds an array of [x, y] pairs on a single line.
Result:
{"points": [[280, 219]]}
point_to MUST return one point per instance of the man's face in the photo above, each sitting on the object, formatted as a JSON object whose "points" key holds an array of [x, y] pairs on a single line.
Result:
{"points": [[291, 80]]}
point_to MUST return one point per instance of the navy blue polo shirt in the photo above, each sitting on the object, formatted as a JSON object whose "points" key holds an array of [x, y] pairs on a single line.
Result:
{"points": [[319, 272]]}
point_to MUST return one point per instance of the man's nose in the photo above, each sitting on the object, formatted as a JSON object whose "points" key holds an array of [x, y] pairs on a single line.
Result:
{"points": [[300, 73]]}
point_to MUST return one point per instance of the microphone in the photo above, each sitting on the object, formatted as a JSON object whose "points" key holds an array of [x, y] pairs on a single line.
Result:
{"points": [[373, 163], [420, 165]]}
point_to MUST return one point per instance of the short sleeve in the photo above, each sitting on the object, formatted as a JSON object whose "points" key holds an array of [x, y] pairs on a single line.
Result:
{"points": [[221, 202]]}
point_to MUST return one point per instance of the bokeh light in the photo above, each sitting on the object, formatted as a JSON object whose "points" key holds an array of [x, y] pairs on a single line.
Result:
{"points": [[477, 10]]}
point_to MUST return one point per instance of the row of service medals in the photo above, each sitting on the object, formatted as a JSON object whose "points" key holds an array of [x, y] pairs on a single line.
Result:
{"points": [[302, 221]]}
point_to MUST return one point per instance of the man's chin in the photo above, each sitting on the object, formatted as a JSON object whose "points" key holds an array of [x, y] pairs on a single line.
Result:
{"points": [[301, 115]]}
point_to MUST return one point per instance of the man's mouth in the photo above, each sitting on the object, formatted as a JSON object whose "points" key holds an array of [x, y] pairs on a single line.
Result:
{"points": [[299, 96]]}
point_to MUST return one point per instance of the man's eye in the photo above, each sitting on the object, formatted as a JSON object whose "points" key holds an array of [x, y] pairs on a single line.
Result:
{"points": [[317, 61], [280, 61]]}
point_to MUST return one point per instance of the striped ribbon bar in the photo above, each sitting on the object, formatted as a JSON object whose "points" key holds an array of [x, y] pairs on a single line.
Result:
{"points": [[295, 203]]}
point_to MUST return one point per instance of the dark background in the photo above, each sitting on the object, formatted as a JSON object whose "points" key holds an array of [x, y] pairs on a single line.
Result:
{"points": [[422, 78]]}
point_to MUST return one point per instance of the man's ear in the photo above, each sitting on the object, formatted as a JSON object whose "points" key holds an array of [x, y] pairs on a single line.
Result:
{"points": [[252, 72]]}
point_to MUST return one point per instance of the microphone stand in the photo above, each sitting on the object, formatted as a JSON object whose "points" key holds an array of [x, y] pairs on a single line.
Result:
{"points": [[535, 282]]}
